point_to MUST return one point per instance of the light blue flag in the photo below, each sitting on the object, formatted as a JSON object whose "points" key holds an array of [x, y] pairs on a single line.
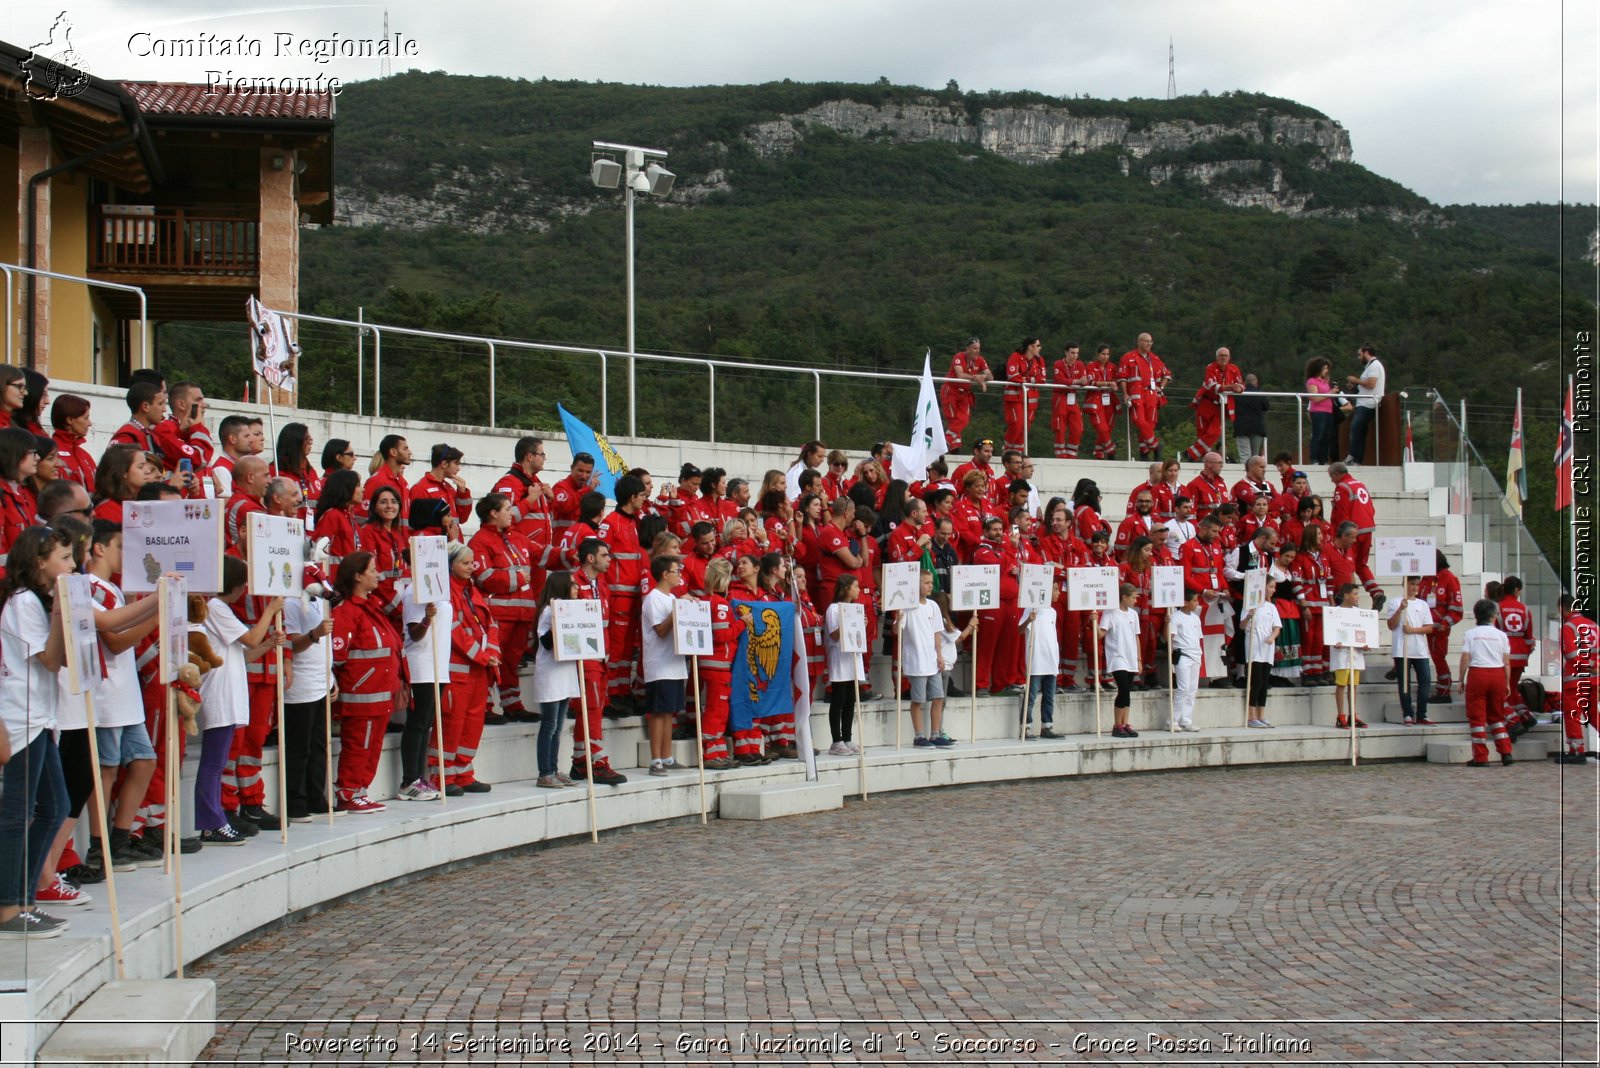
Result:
{"points": [[607, 463]]}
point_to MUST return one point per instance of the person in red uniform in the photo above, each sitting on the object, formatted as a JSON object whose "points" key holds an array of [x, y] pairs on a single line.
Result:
{"points": [[234, 433], [1208, 490], [1136, 569], [1202, 560], [1580, 677], [366, 667], [1020, 399], [1138, 525], [679, 509], [702, 550], [384, 537], [443, 483], [1254, 484], [589, 583], [188, 421], [502, 568], [1517, 622], [250, 477], [591, 506], [1062, 550], [566, 496], [982, 457], [716, 672], [1086, 518], [1339, 556], [1258, 516], [1152, 485], [294, 461], [967, 513], [530, 506], [1312, 574], [836, 555], [474, 663], [1222, 380], [18, 462], [1066, 404], [967, 368], [997, 631], [149, 430], [1144, 379], [69, 418], [712, 504], [334, 526], [620, 532], [1102, 397], [1442, 593], [394, 456], [1352, 501], [1286, 504]]}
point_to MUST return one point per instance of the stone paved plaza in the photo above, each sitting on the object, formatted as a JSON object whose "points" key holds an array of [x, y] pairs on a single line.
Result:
{"points": [[1312, 914]]}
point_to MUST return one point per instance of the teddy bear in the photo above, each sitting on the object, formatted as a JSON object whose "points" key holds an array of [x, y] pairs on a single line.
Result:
{"points": [[202, 658]]}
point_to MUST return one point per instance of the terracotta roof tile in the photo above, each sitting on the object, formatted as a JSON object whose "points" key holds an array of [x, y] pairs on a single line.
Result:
{"points": [[183, 98]]}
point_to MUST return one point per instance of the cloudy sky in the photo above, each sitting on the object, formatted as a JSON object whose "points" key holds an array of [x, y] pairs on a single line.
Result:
{"points": [[1477, 101]]}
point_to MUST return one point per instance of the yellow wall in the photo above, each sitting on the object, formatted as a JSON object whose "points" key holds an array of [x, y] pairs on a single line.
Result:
{"points": [[71, 315], [10, 237]]}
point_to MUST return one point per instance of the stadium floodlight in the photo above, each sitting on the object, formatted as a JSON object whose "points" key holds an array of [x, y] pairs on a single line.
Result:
{"points": [[636, 176]]}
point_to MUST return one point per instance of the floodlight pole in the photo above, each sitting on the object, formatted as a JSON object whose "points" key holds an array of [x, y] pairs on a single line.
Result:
{"points": [[633, 160]]}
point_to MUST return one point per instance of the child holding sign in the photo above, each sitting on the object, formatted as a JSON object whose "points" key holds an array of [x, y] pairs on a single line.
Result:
{"points": [[1264, 626], [844, 669], [1119, 629], [555, 683], [1044, 655], [665, 671], [925, 664], [1346, 660], [1186, 648]]}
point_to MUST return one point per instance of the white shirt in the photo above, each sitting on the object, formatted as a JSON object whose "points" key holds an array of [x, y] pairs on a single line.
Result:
{"points": [[791, 480], [553, 680], [1263, 621], [1369, 398], [113, 706], [1346, 658], [28, 697], [660, 659], [419, 655], [1122, 639], [843, 666], [1417, 615], [947, 645], [919, 640], [1486, 647], [312, 677], [1043, 646], [1179, 531], [1186, 633], [225, 690]]}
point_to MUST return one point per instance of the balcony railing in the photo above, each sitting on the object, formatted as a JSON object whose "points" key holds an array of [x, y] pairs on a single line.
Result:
{"points": [[146, 240]]}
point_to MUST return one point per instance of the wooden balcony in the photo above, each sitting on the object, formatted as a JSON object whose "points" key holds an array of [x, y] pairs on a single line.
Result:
{"points": [[131, 239]]}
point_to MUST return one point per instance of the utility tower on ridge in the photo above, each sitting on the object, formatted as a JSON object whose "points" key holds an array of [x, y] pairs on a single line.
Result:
{"points": [[384, 69], [1172, 69]]}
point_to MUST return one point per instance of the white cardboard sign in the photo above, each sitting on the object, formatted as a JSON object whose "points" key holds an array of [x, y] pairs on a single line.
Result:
{"points": [[430, 570], [1255, 591], [975, 587], [852, 628], [84, 668], [691, 627], [580, 629], [902, 586], [1354, 628], [1405, 556], [277, 555], [1166, 587], [1092, 588], [174, 628], [182, 538], [1035, 586]]}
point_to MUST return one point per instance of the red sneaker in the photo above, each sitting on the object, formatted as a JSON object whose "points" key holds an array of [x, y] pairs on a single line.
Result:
{"points": [[62, 892], [358, 805]]}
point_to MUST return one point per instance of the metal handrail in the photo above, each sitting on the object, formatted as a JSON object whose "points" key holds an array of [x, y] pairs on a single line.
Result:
{"points": [[11, 304]]}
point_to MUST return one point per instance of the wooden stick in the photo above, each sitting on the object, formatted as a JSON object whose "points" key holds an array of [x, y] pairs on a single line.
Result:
{"points": [[588, 751], [1249, 675], [1094, 638], [1172, 678], [1027, 686], [174, 821], [283, 750], [973, 681], [169, 828], [327, 732], [105, 837], [861, 758], [699, 735], [1354, 743], [438, 702], [899, 676]]}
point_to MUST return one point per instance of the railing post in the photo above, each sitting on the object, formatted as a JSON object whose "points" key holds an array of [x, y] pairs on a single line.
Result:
{"points": [[1222, 427], [492, 423], [377, 371], [11, 311], [1127, 423], [712, 425], [816, 377], [1027, 424], [144, 331], [361, 362], [1300, 430], [605, 393]]}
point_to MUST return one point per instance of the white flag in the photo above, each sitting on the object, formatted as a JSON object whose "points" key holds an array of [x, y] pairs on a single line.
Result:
{"points": [[927, 434], [273, 352]]}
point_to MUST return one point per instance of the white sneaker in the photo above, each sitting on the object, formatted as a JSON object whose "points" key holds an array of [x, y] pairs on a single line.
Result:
{"points": [[425, 791], [1190, 728], [840, 749], [855, 749], [409, 792], [1258, 723]]}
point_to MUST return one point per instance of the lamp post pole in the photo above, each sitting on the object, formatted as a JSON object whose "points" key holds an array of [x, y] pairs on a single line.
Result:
{"points": [[628, 230]]}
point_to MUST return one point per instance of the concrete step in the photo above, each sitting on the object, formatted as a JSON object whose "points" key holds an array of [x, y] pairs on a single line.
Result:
{"points": [[773, 801], [137, 1021], [1458, 751]]}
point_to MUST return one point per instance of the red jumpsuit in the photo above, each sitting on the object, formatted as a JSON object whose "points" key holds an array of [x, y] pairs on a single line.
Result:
{"points": [[1208, 407], [1311, 572], [1517, 622], [566, 497], [502, 567], [152, 816], [1135, 526], [474, 643], [241, 776], [1017, 415], [17, 513], [1352, 502], [1066, 412], [458, 502], [1580, 678], [388, 548], [384, 477], [1202, 571], [995, 664], [716, 671], [366, 666], [1442, 592], [1142, 373], [594, 681], [1152, 621], [830, 539], [1102, 399], [336, 527], [1086, 522], [620, 532], [1206, 493], [532, 522], [161, 439], [956, 397], [74, 462], [1066, 552]]}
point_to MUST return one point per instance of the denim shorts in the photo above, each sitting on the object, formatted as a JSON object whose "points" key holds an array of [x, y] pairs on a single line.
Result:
{"points": [[926, 687], [120, 746]]}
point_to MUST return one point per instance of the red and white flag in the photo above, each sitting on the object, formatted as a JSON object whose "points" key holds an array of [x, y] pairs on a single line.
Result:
{"points": [[1411, 448], [1564, 454], [1516, 473]]}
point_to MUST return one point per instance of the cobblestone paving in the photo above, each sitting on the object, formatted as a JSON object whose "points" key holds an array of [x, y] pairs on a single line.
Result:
{"points": [[1315, 914]]}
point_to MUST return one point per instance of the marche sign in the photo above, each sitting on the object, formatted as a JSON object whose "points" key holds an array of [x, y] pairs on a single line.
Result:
{"points": [[1035, 584]]}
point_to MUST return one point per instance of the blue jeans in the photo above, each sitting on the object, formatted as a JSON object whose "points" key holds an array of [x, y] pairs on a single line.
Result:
{"points": [[32, 809], [1422, 668], [1324, 437], [547, 748], [1046, 685], [1360, 419]]}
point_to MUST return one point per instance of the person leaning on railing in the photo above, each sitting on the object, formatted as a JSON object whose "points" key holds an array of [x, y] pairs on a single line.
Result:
{"points": [[1369, 392]]}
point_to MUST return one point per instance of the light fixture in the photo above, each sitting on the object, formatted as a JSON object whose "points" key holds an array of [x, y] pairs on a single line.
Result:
{"points": [[277, 163], [605, 173], [660, 179], [639, 183], [300, 166]]}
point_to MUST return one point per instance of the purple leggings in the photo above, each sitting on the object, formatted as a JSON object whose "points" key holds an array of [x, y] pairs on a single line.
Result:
{"points": [[214, 746]]}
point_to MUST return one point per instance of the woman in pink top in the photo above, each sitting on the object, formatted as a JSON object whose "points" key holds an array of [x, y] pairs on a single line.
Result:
{"points": [[1324, 429]]}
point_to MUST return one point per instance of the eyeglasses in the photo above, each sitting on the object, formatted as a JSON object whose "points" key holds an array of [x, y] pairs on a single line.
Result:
{"points": [[840, 463]]}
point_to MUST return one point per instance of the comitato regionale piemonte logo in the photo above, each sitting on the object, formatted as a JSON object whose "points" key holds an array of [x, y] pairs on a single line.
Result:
{"points": [[53, 68]]}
